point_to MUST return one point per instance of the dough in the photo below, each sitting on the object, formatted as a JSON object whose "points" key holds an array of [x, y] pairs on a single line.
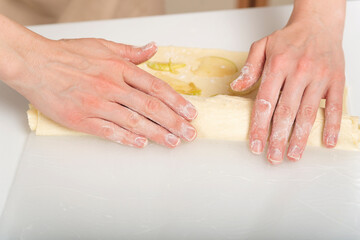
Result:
{"points": [[228, 118], [222, 114], [193, 57], [223, 118]]}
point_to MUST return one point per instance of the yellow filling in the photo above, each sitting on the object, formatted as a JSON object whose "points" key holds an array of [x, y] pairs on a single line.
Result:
{"points": [[165, 66], [180, 86]]}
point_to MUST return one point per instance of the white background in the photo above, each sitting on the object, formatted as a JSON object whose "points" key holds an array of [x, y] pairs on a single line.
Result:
{"points": [[87, 188]]}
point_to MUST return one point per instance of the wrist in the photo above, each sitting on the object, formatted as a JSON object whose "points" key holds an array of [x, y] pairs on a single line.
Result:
{"points": [[16, 42], [325, 14], [10, 58]]}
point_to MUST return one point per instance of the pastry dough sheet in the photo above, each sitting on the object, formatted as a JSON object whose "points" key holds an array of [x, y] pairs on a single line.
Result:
{"points": [[222, 114]]}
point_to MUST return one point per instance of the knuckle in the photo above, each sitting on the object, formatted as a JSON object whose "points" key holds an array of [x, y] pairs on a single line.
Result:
{"points": [[324, 72], [263, 105], [334, 108], [73, 118], [152, 105], [91, 103], [277, 62], [107, 90], [107, 131], [132, 120], [283, 110], [156, 86], [308, 111], [304, 64]]}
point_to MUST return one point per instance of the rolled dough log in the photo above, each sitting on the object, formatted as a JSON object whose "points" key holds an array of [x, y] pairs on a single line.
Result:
{"points": [[224, 116]]}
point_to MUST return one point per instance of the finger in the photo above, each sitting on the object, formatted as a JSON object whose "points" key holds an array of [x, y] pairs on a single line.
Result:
{"points": [[138, 124], [111, 131], [333, 113], [266, 99], [284, 116], [252, 69], [305, 119], [154, 109], [157, 88], [131, 53]]}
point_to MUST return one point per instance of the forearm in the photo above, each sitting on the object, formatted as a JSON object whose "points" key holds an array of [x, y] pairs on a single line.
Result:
{"points": [[10, 61], [330, 13], [16, 43]]}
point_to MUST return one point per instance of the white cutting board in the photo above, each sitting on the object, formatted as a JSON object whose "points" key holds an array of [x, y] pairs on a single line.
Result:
{"points": [[88, 188]]}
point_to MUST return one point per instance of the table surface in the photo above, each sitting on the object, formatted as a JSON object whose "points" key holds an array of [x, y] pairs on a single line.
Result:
{"points": [[87, 188]]}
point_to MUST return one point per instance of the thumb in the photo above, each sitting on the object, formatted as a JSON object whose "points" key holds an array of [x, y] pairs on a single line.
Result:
{"points": [[252, 69], [131, 53], [138, 55]]}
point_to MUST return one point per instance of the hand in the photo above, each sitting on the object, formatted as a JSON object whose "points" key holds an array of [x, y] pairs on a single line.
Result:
{"points": [[299, 65], [94, 86]]}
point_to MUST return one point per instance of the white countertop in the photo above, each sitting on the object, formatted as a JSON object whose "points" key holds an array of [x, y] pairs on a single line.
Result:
{"points": [[86, 188]]}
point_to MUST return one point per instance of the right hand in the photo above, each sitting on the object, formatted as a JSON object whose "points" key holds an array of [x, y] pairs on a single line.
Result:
{"points": [[94, 86]]}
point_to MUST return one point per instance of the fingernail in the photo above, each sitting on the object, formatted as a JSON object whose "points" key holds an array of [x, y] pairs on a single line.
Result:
{"points": [[189, 111], [189, 133], [331, 140], [148, 46], [256, 146], [294, 153], [141, 142], [275, 156], [244, 72], [234, 83], [172, 140]]}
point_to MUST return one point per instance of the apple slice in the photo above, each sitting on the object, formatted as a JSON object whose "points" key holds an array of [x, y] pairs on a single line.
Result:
{"points": [[165, 66], [213, 66], [179, 86]]}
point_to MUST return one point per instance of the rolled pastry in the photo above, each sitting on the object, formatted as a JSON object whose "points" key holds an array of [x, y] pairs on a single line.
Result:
{"points": [[221, 118], [222, 113]]}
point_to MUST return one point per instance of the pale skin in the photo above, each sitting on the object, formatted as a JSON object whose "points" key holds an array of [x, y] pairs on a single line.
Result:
{"points": [[298, 65], [94, 86]]}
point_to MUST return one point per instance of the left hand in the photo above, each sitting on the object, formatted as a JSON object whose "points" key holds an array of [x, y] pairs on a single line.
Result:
{"points": [[299, 64]]}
